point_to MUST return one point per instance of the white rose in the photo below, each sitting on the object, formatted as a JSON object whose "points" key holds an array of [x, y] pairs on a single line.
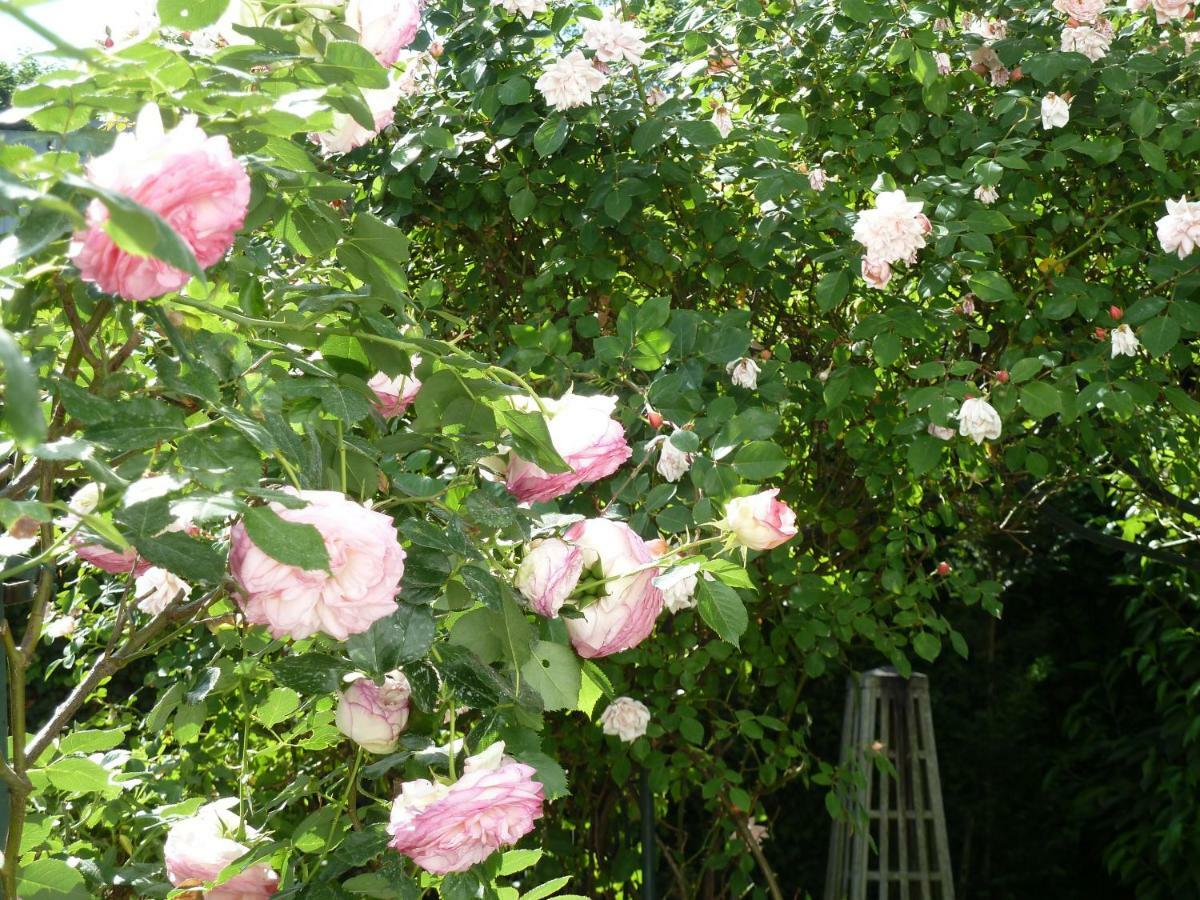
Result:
{"points": [[625, 718], [723, 119], [1056, 111], [156, 588], [673, 463], [570, 81], [977, 419], [1124, 341], [678, 586], [986, 194], [743, 373]]}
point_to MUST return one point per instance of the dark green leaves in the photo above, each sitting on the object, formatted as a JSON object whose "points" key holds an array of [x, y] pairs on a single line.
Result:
{"points": [[292, 543], [310, 673], [22, 401], [191, 559], [551, 135], [403, 637], [722, 610]]}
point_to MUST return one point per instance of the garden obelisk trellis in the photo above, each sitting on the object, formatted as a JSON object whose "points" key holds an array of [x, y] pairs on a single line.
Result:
{"points": [[895, 846]]}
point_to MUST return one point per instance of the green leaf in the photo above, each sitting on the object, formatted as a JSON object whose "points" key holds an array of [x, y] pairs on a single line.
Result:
{"points": [[722, 610], [832, 289], [22, 401], [513, 861], [546, 889], [530, 437], [1159, 335], [1040, 399], [924, 453], [760, 460], [991, 286], [988, 221], [77, 775], [1024, 369], [193, 560], [554, 672], [521, 204], [310, 673], [291, 543], [92, 741], [347, 62], [50, 879], [549, 773], [514, 91], [189, 15], [403, 637], [887, 348], [1143, 117], [927, 646], [649, 135], [551, 135], [277, 706], [699, 134], [859, 10]]}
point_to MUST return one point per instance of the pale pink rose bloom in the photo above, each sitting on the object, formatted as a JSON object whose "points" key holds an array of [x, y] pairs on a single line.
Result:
{"points": [[817, 179], [758, 832], [1168, 10], [894, 229], [1179, 229], [876, 275], [941, 25], [656, 96], [366, 564], [156, 588], [190, 179], [1092, 41], [114, 562], [548, 575], [374, 715], [1190, 40], [198, 848], [1082, 10], [940, 432], [1000, 76], [1056, 111], [588, 439], [990, 30], [723, 119], [394, 395], [346, 134], [759, 522], [570, 81], [987, 194], [527, 8], [968, 305], [978, 420], [625, 718], [385, 27], [449, 828], [614, 39], [743, 372], [673, 463], [625, 613], [943, 63], [1137, 6]]}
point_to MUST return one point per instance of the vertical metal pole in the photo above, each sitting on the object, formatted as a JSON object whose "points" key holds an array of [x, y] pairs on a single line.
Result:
{"points": [[648, 838], [4, 801]]}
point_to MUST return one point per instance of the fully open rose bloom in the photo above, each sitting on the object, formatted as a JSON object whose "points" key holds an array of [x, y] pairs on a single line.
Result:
{"points": [[366, 563], [1166, 10], [156, 588], [198, 848], [588, 439], [978, 420], [385, 27], [570, 81], [614, 39], [625, 718], [374, 715], [759, 522], [346, 134], [1092, 41], [449, 828], [190, 179], [1179, 229], [624, 614], [548, 574], [394, 395], [743, 373], [1082, 10], [527, 8], [1124, 341], [893, 230], [1056, 111]]}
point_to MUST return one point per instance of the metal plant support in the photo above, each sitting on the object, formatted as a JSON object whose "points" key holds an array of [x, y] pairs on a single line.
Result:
{"points": [[895, 846]]}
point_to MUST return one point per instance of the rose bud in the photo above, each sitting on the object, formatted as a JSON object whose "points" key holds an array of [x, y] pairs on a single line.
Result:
{"points": [[373, 715], [1002, 376], [1117, 313], [548, 574], [759, 522], [654, 417], [943, 568], [1100, 333]]}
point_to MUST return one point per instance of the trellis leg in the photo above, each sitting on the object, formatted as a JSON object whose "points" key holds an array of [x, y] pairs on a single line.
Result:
{"points": [[836, 885], [941, 839], [917, 785]]}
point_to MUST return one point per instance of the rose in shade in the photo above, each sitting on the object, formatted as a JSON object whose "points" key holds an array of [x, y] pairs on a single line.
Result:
{"points": [[624, 614], [198, 848], [374, 715], [978, 420], [366, 563], [759, 522], [190, 179], [449, 828], [548, 574], [586, 436], [625, 718], [394, 395]]}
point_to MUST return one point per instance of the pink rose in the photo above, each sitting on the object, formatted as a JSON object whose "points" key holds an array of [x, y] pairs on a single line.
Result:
{"points": [[190, 179], [876, 274], [625, 612], [374, 715], [346, 134], [198, 848], [894, 229], [1179, 229], [548, 574], [1082, 10], [366, 563], [1166, 10], [449, 828], [385, 27], [394, 395], [588, 439], [759, 522], [112, 561]]}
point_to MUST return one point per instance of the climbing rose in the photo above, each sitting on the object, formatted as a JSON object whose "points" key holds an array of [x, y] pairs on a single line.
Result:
{"points": [[624, 614], [373, 715], [941, 432], [588, 439], [1137, 6], [385, 27], [1179, 229], [198, 848], [989, 29], [893, 230], [156, 588], [977, 419], [1081, 10], [722, 118], [527, 8], [1124, 341], [366, 563], [347, 134], [190, 179], [548, 574], [1166, 10], [817, 179], [449, 828], [673, 463], [614, 39], [1092, 41], [570, 81], [111, 561], [943, 63], [986, 194], [743, 373], [678, 586], [394, 395], [1056, 111], [759, 522], [876, 275], [625, 718]]}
